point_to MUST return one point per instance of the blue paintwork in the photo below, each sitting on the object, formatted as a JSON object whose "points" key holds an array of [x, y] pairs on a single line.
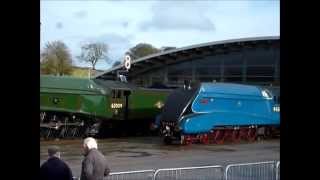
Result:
{"points": [[226, 104]]}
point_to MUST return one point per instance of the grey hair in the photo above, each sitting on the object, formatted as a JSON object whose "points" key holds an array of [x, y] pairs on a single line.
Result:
{"points": [[54, 151], [91, 143]]}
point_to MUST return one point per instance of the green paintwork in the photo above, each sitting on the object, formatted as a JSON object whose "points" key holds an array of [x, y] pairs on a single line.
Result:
{"points": [[143, 102], [94, 98], [75, 95], [69, 85]]}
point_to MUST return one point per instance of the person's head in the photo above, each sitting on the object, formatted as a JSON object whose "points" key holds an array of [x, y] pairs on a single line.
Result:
{"points": [[54, 152], [89, 143]]}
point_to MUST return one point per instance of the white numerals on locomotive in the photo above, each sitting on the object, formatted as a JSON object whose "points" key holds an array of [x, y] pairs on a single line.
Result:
{"points": [[116, 105], [276, 108]]}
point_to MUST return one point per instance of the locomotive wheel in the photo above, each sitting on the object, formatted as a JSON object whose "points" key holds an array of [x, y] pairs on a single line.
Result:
{"points": [[235, 137], [48, 133], [204, 139], [243, 134], [167, 140], [252, 134], [73, 132], [219, 136], [228, 134], [63, 132], [268, 133], [187, 140], [55, 133], [67, 132]]}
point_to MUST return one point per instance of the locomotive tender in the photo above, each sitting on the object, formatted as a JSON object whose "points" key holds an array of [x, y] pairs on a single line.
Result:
{"points": [[218, 112]]}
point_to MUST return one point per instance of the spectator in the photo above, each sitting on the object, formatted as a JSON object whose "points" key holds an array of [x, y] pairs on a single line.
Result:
{"points": [[94, 164], [55, 168]]}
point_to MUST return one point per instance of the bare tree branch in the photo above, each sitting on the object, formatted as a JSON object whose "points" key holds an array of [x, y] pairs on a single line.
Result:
{"points": [[93, 52]]}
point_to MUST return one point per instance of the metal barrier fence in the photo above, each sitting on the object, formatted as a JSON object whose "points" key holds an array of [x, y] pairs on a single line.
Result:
{"points": [[132, 175], [254, 171], [278, 171], [190, 173], [246, 171]]}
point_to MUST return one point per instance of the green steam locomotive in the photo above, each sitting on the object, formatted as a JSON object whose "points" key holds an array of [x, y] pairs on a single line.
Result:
{"points": [[77, 107]]}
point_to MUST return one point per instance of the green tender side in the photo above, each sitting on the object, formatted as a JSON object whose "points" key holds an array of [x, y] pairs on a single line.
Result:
{"points": [[74, 95], [143, 103]]}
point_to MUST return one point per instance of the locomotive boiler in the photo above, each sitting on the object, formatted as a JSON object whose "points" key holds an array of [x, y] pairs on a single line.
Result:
{"points": [[219, 112]]}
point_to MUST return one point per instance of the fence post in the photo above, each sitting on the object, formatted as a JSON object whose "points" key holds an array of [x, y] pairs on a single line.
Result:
{"points": [[278, 171]]}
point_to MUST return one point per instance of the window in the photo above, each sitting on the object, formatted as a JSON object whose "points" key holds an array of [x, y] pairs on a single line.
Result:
{"points": [[157, 80], [266, 94], [234, 79], [233, 59], [260, 71], [118, 94], [208, 70], [181, 69], [233, 70], [209, 61], [113, 94], [260, 80], [260, 56], [178, 79], [205, 79], [156, 72], [138, 81]]}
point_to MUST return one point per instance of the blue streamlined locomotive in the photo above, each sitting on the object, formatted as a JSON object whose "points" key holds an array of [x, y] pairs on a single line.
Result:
{"points": [[218, 112]]}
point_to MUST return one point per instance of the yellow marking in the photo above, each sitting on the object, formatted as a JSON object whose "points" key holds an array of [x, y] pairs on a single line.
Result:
{"points": [[159, 104]]}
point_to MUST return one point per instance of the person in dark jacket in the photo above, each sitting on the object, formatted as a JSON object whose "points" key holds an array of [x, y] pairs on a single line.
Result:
{"points": [[94, 164], [54, 168]]}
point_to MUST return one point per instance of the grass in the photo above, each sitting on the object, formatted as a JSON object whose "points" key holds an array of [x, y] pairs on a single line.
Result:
{"points": [[80, 72]]}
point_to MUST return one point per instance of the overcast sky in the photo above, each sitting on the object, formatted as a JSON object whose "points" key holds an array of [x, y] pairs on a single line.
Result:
{"points": [[123, 24]]}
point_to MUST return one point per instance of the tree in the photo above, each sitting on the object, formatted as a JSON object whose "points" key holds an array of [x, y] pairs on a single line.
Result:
{"points": [[93, 52], [141, 50], [56, 59], [167, 48]]}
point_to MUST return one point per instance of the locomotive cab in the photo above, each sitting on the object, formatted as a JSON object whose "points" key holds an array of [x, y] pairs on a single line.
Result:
{"points": [[120, 103]]}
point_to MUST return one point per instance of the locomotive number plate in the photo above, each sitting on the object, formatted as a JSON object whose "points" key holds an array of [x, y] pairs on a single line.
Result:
{"points": [[116, 105]]}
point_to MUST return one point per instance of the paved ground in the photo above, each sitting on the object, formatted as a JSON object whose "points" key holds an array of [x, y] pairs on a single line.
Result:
{"points": [[138, 153]]}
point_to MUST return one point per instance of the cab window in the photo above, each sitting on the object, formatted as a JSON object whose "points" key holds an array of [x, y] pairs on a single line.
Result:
{"points": [[118, 94], [114, 94]]}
